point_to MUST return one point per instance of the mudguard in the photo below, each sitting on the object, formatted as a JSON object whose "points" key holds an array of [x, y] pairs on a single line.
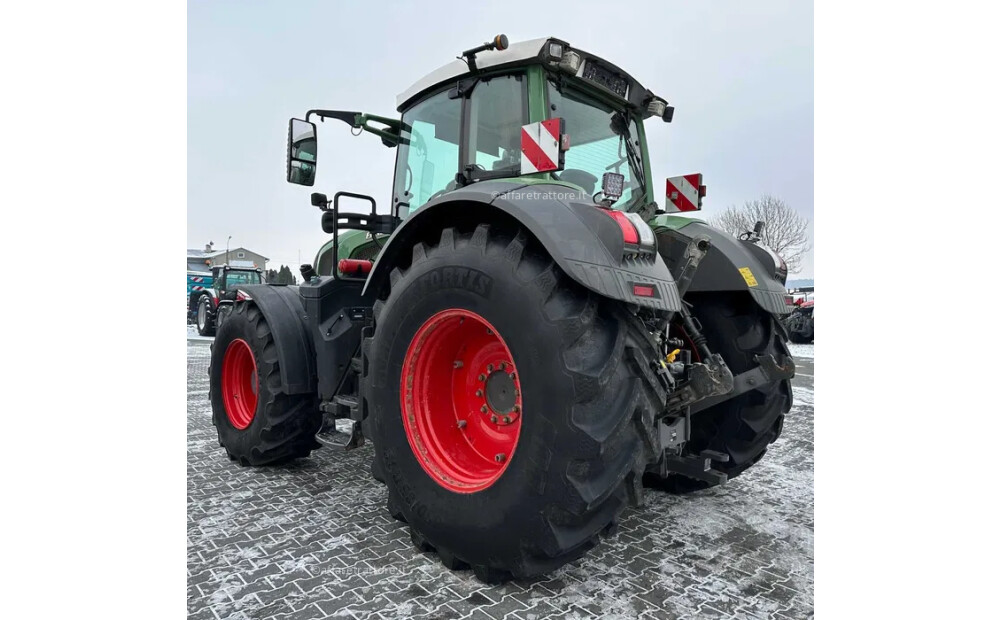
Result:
{"points": [[286, 316], [585, 243], [731, 264]]}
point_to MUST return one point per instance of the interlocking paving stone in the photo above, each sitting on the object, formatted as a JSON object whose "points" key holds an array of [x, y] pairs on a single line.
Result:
{"points": [[312, 539]]}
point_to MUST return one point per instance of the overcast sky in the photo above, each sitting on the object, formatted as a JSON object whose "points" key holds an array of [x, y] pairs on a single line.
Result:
{"points": [[740, 75]]}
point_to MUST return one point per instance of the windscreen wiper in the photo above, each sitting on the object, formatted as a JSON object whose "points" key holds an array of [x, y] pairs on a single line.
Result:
{"points": [[619, 124]]}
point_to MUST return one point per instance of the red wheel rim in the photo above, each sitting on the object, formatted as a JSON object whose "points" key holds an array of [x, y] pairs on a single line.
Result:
{"points": [[239, 384], [460, 396]]}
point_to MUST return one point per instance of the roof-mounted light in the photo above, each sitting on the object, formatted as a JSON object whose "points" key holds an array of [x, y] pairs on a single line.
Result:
{"points": [[570, 62], [556, 52], [659, 107]]}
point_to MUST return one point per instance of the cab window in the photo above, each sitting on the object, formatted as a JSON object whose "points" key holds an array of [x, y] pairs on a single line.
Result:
{"points": [[235, 278], [596, 146], [496, 112], [427, 157]]}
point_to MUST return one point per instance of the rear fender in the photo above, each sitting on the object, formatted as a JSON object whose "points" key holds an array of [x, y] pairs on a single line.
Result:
{"points": [[282, 308], [731, 264], [585, 243]]}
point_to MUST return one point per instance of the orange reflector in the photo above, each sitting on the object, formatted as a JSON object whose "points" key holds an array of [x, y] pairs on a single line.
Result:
{"points": [[642, 291]]}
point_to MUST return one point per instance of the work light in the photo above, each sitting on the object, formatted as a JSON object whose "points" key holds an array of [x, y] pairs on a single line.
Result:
{"points": [[570, 62], [612, 185], [657, 107]]}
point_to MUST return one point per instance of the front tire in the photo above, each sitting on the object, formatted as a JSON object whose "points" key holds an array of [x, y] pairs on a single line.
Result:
{"points": [[257, 423], [565, 465], [205, 317]]}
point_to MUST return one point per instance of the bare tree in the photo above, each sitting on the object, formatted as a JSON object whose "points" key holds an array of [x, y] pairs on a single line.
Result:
{"points": [[785, 231]]}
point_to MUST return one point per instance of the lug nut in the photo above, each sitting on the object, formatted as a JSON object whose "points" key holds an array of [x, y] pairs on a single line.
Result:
{"points": [[461, 424], [489, 368], [493, 418], [483, 409], [479, 393], [500, 458], [489, 332], [506, 419], [458, 364], [517, 408], [503, 365], [482, 377]]}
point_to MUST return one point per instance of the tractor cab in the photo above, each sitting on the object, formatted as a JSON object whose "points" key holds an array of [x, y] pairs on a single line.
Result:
{"points": [[531, 113], [226, 277], [538, 111]]}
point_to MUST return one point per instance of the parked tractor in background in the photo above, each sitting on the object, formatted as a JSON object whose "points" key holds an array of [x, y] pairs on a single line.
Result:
{"points": [[525, 336], [211, 301], [800, 322]]}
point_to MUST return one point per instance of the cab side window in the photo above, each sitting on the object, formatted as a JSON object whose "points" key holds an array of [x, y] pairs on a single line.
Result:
{"points": [[497, 110], [427, 158]]}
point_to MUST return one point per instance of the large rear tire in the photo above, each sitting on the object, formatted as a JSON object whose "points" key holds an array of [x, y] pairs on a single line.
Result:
{"points": [[258, 424], [742, 427], [482, 303]]}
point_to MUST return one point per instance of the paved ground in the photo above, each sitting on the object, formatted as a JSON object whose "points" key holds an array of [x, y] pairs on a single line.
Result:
{"points": [[313, 540]]}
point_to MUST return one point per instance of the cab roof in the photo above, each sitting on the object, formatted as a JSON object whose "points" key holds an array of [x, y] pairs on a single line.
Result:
{"points": [[522, 53]]}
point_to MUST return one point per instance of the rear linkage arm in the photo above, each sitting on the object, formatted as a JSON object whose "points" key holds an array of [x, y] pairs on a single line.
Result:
{"points": [[708, 383]]}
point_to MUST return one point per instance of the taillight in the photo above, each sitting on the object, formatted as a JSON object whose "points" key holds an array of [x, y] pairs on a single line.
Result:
{"points": [[636, 233], [629, 233]]}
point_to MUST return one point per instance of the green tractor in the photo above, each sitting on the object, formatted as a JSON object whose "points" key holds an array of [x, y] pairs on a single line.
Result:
{"points": [[526, 338]]}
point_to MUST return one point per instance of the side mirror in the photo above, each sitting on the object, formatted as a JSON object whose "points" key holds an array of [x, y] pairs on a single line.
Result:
{"points": [[301, 161]]}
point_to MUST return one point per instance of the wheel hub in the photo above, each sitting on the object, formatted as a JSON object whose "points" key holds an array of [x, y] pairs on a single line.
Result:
{"points": [[460, 400], [501, 392]]}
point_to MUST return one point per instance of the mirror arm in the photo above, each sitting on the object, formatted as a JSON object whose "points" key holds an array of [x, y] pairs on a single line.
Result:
{"points": [[389, 133], [357, 120], [351, 118]]}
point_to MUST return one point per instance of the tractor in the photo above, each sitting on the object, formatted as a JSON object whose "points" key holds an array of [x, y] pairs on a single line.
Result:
{"points": [[209, 306], [799, 324], [529, 342]]}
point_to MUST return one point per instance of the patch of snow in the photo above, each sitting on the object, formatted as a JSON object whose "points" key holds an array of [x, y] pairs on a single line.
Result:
{"points": [[801, 350]]}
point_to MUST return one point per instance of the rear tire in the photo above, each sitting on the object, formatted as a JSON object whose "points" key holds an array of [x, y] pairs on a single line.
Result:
{"points": [[798, 338], [257, 423], [742, 427], [204, 317], [586, 431]]}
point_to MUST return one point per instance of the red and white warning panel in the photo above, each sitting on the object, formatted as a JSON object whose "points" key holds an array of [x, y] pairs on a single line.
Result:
{"points": [[685, 192], [542, 146]]}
